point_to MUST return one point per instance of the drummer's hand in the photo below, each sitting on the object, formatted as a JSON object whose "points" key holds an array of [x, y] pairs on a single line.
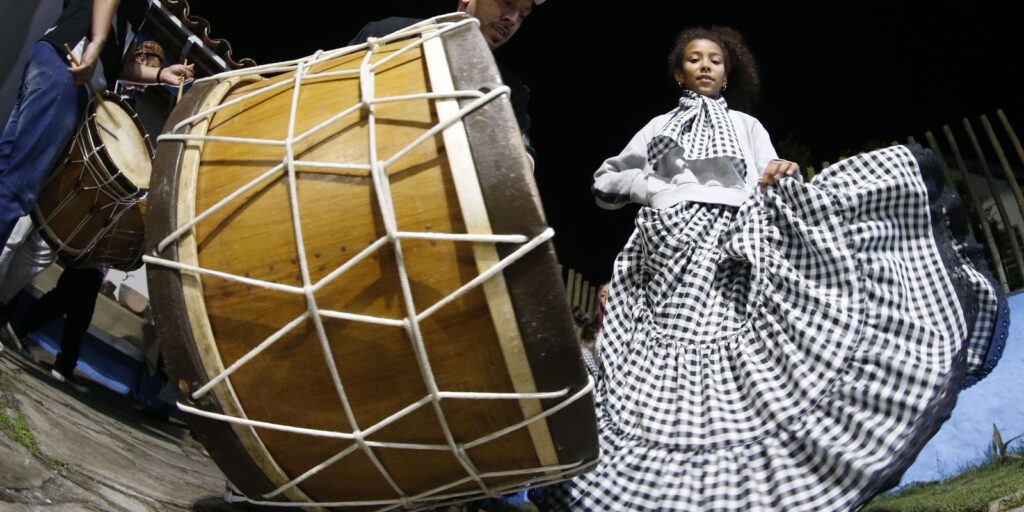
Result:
{"points": [[776, 170], [83, 71], [177, 74]]}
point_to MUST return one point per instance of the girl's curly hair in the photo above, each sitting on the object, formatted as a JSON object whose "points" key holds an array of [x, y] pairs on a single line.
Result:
{"points": [[744, 86]]}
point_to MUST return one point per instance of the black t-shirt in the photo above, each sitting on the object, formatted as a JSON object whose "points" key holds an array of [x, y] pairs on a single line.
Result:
{"points": [[75, 24]]}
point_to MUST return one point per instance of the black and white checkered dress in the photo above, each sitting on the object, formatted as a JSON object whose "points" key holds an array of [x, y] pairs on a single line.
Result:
{"points": [[793, 353]]}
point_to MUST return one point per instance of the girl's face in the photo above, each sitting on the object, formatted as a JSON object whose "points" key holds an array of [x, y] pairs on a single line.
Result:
{"points": [[703, 70]]}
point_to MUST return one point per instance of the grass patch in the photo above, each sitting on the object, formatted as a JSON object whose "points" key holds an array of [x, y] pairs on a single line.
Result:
{"points": [[14, 424], [12, 420], [969, 491]]}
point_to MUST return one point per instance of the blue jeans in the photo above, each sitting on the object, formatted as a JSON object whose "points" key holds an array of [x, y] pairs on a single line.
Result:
{"points": [[44, 119]]}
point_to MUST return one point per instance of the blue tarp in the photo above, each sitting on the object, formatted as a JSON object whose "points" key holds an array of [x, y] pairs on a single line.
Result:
{"points": [[998, 399]]}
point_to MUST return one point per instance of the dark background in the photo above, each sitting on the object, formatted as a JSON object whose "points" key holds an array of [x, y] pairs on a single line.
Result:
{"points": [[837, 77]]}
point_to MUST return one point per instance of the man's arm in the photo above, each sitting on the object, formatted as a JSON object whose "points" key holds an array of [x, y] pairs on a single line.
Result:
{"points": [[174, 74], [102, 15]]}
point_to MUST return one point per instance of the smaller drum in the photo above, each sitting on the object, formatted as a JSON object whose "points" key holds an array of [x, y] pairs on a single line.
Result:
{"points": [[90, 208]]}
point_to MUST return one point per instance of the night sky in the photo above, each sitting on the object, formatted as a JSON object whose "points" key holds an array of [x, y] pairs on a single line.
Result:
{"points": [[836, 76]]}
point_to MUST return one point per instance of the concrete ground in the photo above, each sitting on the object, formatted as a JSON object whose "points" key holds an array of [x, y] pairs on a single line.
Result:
{"points": [[61, 450]]}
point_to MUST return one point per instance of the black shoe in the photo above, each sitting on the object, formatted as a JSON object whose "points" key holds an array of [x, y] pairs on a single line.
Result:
{"points": [[11, 338], [69, 379], [7, 336]]}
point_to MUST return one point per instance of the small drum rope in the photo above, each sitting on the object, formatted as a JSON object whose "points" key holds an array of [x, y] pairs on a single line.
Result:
{"points": [[93, 167], [100, 174]]}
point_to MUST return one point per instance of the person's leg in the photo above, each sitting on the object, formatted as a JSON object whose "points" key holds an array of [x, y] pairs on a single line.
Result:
{"points": [[51, 305], [46, 308], [80, 286], [22, 229], [30, 258], [43, 121], [21, 232]]}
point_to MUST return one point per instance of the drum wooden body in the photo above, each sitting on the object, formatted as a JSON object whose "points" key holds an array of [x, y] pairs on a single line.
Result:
{"points": [[89, 209], [513, 334]]}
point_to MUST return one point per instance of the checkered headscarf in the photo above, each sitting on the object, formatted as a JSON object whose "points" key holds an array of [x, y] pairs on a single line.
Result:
{"points": [[702, 128]]}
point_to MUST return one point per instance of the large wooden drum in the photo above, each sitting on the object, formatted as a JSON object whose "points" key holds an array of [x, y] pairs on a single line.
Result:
{"points": [[353, 284], [90, 208]]}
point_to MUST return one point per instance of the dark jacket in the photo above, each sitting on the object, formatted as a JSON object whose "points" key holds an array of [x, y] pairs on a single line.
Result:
{"points": [[75, 24]]}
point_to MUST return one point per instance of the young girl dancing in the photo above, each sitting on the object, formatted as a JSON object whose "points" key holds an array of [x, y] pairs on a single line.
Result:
{"points": [[772, 344]]}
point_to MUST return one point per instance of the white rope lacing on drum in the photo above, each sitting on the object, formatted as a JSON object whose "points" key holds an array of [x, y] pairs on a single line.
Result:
{"points": [[104, 183], [376, 169]]}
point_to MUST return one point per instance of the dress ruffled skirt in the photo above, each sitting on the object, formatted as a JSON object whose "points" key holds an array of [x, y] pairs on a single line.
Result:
{"points": [[793, 353]]}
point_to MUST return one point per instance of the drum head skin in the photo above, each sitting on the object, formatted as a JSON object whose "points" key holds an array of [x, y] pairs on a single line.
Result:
{"points": [[129, 153]]}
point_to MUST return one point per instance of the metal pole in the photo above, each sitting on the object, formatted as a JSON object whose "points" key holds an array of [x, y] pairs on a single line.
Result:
{"points": [[1014, 246], [577, 291], [1006, 166], [990, 241], [948, 177], [570, 281]]}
